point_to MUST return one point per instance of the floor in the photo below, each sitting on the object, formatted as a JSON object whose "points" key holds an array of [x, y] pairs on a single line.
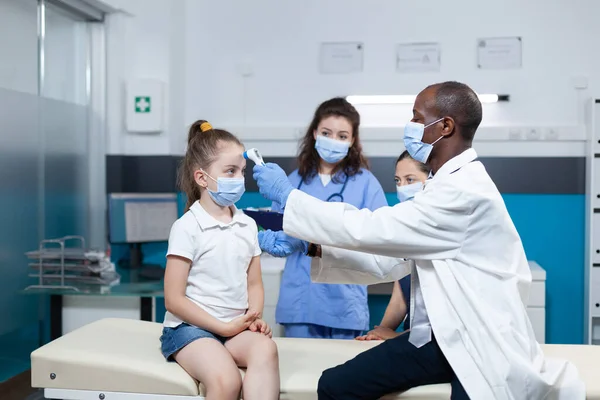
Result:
{"points": [[16, 347], [19, 388]]}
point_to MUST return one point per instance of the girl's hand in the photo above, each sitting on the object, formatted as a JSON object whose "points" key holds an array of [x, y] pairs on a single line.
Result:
{"points": [[368, 336], [379, 333], [261, 326], [239, 324], [383, 333]]}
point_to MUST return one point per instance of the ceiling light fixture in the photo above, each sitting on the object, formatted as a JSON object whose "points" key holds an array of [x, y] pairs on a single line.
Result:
{"points": [[410, 99]]}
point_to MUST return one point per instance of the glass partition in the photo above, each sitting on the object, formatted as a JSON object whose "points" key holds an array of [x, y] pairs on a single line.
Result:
{"points": [[20, 146], [65, 168], [44, 170], [19, 46], [19, 201], [64, 114], [65, 57]]}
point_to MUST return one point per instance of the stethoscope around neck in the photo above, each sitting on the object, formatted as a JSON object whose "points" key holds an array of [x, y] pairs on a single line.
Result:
{"points": [[331, 198]]}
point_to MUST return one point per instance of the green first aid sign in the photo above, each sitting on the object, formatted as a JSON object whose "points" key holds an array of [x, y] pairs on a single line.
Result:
{"points": [[143, 104]]}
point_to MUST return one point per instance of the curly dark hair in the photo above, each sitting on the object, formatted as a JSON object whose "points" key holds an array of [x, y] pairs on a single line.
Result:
{"points": [[308, 158]]}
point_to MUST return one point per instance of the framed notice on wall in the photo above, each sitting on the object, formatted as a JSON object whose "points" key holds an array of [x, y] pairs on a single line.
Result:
{"points": [[341, 58], [499, 53], [418, 57]]}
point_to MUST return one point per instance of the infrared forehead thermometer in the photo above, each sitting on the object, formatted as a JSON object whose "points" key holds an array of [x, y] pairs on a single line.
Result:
{"points": [[254, 155]]}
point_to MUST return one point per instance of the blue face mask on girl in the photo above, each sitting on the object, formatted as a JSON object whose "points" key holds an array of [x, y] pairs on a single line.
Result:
{"points": [[331, 150], [407, 192], [413, 140], [229, 190]]}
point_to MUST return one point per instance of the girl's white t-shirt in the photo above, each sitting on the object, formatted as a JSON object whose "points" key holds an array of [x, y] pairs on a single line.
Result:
{"points": [[220, 255]]}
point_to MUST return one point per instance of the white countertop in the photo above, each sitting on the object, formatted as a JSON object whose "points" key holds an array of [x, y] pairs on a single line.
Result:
{"points": [[537, 272]]}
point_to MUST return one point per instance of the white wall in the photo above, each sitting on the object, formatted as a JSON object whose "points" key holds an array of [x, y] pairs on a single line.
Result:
{"points": [[282, 41], [197, 47], [143, 43]]}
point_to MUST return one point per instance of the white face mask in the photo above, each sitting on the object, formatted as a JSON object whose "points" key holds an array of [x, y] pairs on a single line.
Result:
{"points": [[407, 192]]}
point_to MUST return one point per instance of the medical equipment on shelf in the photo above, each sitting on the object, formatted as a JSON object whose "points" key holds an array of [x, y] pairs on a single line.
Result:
{"points": [[120, 359], [138, 218], [254, 155], [58, 266]]}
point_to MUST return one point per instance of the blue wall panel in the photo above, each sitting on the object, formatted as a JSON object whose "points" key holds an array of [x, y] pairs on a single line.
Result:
{"points": [[552, 228]]}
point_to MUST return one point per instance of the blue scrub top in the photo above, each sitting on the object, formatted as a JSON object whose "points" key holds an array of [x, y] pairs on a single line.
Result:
{"points": [[336, 306]]}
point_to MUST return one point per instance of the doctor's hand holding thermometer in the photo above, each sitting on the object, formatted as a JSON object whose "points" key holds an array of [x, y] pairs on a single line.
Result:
{"points": [[470, 276], [332, 168], [254, 155], [275, 184]]}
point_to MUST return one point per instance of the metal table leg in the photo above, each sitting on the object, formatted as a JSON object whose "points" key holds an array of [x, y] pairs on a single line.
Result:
{"points": [[56, 304], [146, 309]]}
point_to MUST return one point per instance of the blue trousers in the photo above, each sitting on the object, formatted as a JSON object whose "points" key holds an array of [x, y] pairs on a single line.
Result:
{"points": [[313, 331], [393, 366]]}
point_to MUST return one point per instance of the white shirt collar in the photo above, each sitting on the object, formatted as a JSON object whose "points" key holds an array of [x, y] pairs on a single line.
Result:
{"points": [[206, 221], [456, 163]]}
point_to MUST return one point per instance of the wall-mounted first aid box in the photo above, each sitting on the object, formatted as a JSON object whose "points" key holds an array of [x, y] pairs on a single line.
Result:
{"points": [[145, 106]]}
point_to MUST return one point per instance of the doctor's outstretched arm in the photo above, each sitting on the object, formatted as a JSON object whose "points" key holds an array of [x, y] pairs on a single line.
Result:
{"points": [[432, 226], [425, 228], [336, 265]]}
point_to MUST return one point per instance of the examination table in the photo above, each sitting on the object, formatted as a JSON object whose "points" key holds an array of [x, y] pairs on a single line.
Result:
{"points": [[120, 359]]}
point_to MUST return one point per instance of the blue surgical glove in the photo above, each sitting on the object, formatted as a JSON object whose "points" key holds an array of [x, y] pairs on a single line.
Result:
{"points": [[279, 244], [273, 183]]}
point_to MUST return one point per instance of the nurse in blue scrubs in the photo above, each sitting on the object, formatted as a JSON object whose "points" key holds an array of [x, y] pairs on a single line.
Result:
{"points": [[331, 167], [409, 177]]}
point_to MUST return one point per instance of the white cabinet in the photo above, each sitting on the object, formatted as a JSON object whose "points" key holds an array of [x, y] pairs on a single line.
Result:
{"points": [[536, 306], [595, 294], [592, 258], [272, 269]]}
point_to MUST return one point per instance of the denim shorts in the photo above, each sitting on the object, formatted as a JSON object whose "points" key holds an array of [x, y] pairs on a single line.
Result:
{"points": [[174, 339]]}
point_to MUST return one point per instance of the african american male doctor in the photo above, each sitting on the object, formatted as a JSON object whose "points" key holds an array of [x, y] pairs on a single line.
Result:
{"points": [[472, 279]]}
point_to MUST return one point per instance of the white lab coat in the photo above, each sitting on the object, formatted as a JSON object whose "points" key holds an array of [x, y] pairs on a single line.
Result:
{"points": [[472, 268]]}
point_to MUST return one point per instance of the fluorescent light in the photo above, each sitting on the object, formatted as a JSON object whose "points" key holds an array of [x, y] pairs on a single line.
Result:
{"points": [[398, 99], [488, 98], [410, 99]]}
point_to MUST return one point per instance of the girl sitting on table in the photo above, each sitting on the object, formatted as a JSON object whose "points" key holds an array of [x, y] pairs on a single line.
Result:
{"points": [[410, 175], [214, 293]]}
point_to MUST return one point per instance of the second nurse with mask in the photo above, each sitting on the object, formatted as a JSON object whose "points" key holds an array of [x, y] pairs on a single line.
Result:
{"points": [[331, 167], [409, 178]]}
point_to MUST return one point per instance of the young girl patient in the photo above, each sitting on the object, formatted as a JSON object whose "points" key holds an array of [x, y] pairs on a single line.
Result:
{"points": [[213, 285]]}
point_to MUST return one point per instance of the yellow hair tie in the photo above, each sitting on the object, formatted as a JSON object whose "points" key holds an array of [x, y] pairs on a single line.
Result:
{"points": [[205, 126]]}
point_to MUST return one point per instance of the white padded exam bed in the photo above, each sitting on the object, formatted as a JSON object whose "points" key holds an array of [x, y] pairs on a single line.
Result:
{"points": [[120, 359]]}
